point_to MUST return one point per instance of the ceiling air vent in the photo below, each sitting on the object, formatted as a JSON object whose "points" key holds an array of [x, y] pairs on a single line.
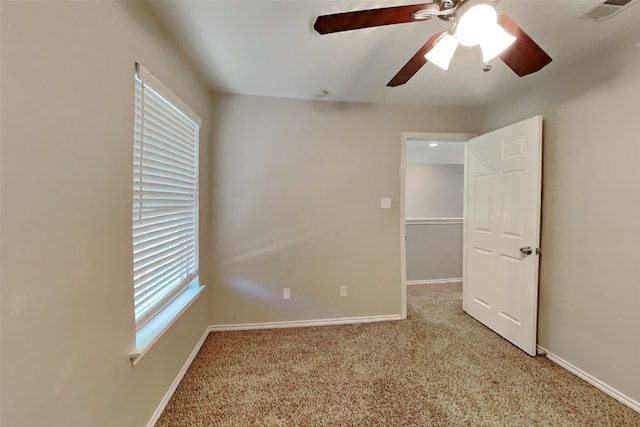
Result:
{"points": [[606, 9]]}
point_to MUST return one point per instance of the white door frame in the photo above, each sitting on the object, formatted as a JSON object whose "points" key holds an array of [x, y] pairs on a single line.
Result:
{"points": [[427, 136]]}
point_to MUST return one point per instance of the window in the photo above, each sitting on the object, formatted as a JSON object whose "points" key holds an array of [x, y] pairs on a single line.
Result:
{"points": [[165, 196]]}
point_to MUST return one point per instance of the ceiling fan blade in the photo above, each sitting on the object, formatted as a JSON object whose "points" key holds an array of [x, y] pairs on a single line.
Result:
{"points": [[368, 18], [524, 56], [415, 63]]}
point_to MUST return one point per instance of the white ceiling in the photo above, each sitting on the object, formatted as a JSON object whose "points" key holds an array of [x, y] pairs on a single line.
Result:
{"points": [[269, 48]]}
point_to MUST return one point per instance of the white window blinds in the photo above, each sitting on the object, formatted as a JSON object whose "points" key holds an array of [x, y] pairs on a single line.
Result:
{"points": [[165, 196]]}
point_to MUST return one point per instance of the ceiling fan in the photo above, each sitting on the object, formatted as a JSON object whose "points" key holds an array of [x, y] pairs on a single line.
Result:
{"points": [[474, 22]]}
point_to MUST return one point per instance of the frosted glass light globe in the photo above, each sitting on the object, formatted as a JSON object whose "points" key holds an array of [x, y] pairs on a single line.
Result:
{"points": [[472, 25], [443, 51], [495, 41]]}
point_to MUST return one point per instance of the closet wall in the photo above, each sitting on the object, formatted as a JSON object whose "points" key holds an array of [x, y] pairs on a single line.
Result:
{"points": [[434, 210]]}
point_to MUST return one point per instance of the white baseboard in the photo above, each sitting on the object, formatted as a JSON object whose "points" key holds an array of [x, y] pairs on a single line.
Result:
{"points": [[620, 397], [176, 381], [433, 281], [303, 323]]}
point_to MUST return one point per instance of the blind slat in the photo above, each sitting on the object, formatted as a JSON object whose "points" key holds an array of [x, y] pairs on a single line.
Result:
{"points": [[160, 169], [177, 258], [156, 105], [157, 120], [149, 240], [169, 250], [154, 222], [159, 153], [156, 178], [173, 186], [167, 135], [148, 295]]}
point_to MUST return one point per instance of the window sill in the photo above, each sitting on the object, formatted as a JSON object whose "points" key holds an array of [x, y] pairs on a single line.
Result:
{"points": [[161, 322]]}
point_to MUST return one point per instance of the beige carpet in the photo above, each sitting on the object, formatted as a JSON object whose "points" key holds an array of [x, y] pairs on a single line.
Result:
{"points": [[438, 368]]}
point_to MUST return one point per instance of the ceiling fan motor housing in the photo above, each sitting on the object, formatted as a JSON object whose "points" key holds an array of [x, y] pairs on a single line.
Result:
{"points": [[464, 5], [448, 5], [459, 7]]}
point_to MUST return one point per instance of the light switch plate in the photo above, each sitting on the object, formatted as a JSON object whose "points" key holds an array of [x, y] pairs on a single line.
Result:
{"points": [[385, 203]]}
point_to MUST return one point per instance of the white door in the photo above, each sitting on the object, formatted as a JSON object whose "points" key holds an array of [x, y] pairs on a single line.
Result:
{"points": [[503, 231]]}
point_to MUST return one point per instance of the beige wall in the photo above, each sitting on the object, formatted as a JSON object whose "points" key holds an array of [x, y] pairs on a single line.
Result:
{"points": [[434, 191], [590, 267], [67, 135], [298, 205], [434, 251]]}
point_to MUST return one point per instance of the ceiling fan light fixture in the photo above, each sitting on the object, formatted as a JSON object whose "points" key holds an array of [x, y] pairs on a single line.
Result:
{"points": [[494, 42], [443, 51], [473, 24], [468, 19]]}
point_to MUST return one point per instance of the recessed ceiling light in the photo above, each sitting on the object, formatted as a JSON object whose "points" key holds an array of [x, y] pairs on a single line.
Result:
{"points": [[433, 144]]}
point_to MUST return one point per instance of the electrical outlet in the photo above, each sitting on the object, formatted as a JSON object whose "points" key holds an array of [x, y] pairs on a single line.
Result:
{"points": [[343, 291], [286, 293]]}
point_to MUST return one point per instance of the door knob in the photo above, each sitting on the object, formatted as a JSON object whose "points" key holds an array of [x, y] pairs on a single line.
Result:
{"points": [[527, 250]]}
